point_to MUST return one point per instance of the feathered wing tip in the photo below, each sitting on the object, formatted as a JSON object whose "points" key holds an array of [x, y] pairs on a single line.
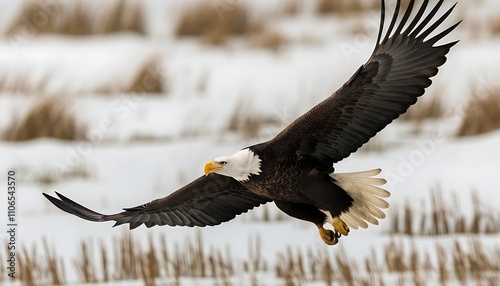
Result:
{"points": [[414, 30], [75, 208], [368, 198]]}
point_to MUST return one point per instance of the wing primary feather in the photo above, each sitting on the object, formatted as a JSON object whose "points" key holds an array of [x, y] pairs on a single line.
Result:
{"points": [[405, 17], [165, 218], [192, 217], [441, 35], [175, 219], [77, 207], [134, 225], [427, 19], [393, 21], [201, 219], [418, 16], [449, 45], [133, 219], [437, 23], [382, 22], [154, 219], [74, 208], [117, 223], [144, 218]]}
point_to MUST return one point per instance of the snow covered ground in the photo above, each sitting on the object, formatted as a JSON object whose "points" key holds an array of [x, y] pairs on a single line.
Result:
{"points": [[158, 142]]}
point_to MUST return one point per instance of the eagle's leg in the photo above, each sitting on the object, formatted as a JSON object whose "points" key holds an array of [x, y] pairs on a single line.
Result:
{"points": [[334, 200], [328, 236], [340, 226], [309, 213]]}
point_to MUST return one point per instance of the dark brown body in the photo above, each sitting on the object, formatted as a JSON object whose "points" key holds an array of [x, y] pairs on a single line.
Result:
{"points": [[301, 184]]}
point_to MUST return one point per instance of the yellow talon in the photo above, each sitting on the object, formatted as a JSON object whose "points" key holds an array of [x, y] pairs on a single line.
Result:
{"points": [[340, 226], [328, 236]]}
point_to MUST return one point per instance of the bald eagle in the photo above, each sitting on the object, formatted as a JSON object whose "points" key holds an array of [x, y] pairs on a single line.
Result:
{"points": [[295, 168]]}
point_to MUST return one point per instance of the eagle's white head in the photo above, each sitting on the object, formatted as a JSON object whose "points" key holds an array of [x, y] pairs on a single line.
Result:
{"points": [[241, 165]]}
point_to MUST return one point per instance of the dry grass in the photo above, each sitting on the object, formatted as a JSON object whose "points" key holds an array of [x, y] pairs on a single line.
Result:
{"points": [[247, 121], [44, 269], [203, 20], [214, 24], [77, 19], [352, 6], [264, 214], [148, 138], [85, 266], [430, 107], [336, 6], [21, 83], [131, 262], [267, 39], [346, 6], [455, 263], [149, 78], [482, 114], [49, 116], [464, 260], [427, 108], [50, 174], [494, 24], [375, 145], [445, 218], [292, 7]]}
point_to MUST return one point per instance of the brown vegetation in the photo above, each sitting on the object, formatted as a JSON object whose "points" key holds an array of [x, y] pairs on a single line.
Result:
{"points": [[494, 24], [352, 6], [40, 269], [481, 115], [375, 145], [77, 19], [49, 116], [52, 175], [158, 260], [212, 23], [21, 83], [334, 6], [444, 218], [292, 7], [149, 78], [464, 261], [426, 108], [429, 107], [247, 121], [345, 6], [267, 39]]}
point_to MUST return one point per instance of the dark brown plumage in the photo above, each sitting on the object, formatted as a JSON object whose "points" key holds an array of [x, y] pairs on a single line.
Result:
{"points": [[295, 169], [207, 201]]}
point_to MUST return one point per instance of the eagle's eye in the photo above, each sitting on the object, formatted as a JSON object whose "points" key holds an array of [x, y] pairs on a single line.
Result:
{"points": [[222, 163]]}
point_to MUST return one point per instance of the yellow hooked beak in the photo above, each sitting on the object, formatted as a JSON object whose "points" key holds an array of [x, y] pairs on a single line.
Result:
{"points": [[211, 167]]}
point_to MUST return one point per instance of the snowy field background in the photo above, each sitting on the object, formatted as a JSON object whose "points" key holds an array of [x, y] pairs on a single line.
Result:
{"points": [[139, 146]]}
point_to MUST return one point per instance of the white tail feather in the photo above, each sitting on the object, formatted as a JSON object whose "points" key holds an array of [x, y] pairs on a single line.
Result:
{"points": [[367, 197]]}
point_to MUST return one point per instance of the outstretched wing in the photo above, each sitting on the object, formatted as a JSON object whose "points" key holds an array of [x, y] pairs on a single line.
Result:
{"points": [[396, 74], [209, 200]]}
